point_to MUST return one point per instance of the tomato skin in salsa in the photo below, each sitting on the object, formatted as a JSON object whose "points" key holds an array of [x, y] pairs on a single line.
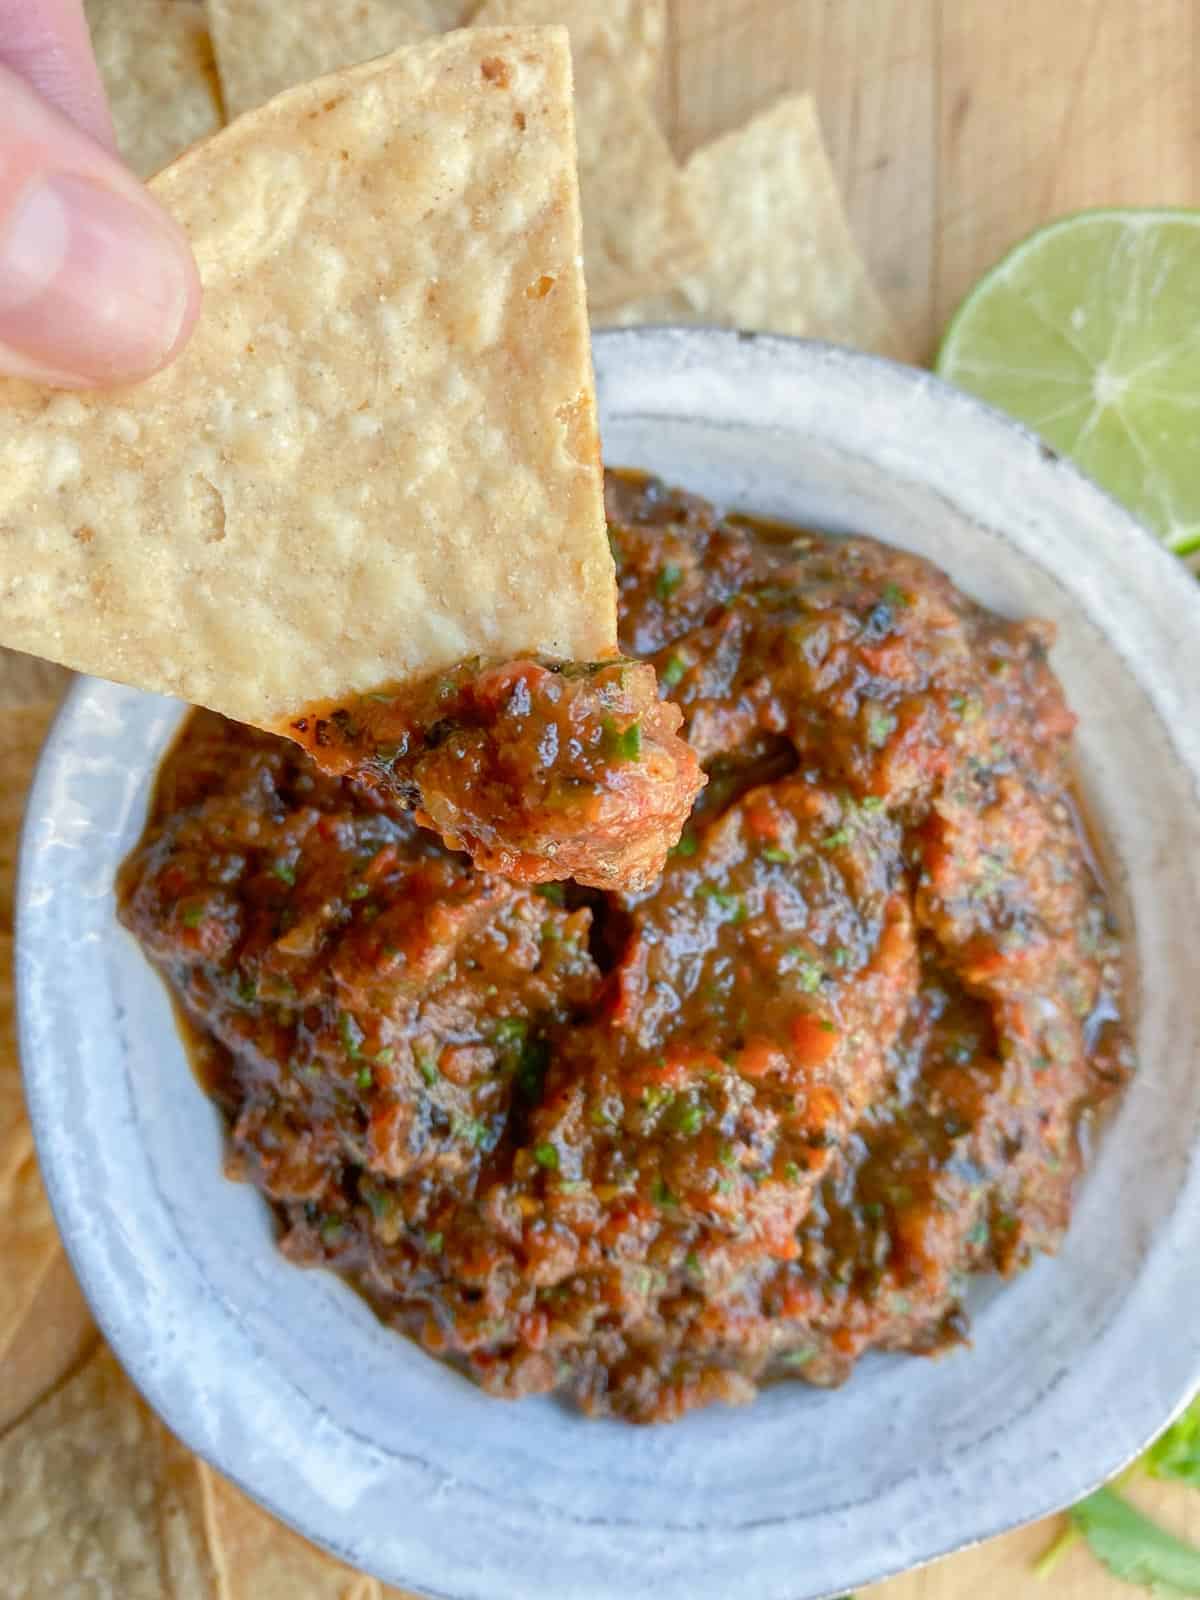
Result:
{"points": [[737, 1118], [538, 770]]}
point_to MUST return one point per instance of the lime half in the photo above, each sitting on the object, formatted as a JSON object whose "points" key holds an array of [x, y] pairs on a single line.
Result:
{"points": [[1089, 331]]}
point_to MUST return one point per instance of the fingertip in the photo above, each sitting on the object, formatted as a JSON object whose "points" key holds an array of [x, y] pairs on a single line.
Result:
{"points": [[98, 286], [191, 293]]}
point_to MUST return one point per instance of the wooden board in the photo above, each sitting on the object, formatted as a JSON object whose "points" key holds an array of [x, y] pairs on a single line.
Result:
{"points": [[955, 127]]}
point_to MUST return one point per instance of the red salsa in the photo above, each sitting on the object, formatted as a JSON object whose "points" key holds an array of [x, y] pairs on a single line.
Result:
{"points": [[539, 770], [741, 1119]]}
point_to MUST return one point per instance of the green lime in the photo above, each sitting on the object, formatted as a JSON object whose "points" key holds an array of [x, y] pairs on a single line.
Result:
{"points": [[1089, 331]]}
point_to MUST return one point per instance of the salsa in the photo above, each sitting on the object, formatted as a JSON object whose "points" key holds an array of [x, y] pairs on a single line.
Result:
{"points": [[539, 770], [651, 1146]]}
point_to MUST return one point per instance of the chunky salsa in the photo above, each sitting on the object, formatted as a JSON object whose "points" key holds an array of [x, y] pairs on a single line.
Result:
{"points": [[648, 1148], [539, 770]]}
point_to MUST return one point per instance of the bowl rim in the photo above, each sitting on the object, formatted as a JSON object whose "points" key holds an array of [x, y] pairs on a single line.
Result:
{"points": [[682, 349]]}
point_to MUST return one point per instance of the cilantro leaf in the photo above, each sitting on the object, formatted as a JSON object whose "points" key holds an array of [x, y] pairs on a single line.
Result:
{"points": [[1134, 1548], [1177, 1453]]}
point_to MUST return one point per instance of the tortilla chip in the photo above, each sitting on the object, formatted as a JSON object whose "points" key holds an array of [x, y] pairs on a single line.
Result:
{"points": [[638, 28], [259, 1559], [264, 47], [97, 1498], [783, 259], [378, 454], [640, 232], [156, 60]]}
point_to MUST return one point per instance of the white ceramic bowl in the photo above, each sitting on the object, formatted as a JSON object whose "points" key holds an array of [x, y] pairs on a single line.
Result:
{"points": [[285, 1381]]}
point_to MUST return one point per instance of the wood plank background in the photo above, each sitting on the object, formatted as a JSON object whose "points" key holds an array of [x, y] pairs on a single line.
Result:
{"points": [[956, 127]]}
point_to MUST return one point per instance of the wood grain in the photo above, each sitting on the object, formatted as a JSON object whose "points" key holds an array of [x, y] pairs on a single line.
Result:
{"points": [[55, 1337], [1046, 109], [1002, 1569], [867, 64], [955, 126]]}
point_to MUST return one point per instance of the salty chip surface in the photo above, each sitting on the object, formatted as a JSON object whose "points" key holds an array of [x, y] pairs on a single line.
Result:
{"points": [[638, 29], [378, 455], [640, 224], [98, 1499]]}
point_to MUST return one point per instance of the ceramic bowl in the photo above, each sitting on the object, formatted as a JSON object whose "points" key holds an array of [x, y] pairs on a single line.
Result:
{"points": [[285, 1381]]}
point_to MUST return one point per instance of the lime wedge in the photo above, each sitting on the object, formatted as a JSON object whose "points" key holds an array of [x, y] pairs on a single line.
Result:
{"points": [[1089, 331]]}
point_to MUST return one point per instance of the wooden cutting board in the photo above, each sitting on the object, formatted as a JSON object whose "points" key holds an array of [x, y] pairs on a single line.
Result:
{"points": [[955, 127]]}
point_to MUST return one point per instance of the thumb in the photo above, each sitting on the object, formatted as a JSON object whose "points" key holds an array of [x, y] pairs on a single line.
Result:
{"points": [[97, 283]]}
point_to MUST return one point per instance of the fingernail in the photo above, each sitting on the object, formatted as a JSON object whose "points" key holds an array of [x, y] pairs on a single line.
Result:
{"points": [[91, 284]]}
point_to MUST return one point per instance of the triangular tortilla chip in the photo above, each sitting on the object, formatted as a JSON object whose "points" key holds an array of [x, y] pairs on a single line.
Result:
{"points": [[156, 60], [97, 1498], [258, 1558], [783, 260], [640, 228], [263, 47], [638, 28], [378, 454]]}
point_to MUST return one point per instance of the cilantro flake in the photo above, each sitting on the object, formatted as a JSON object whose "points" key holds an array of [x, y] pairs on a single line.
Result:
{"points": [[351, 1034], [470, 1130], [673, 671], [725, 899], [669, 578], [778, 854], [837, 840], [690, 1119]]}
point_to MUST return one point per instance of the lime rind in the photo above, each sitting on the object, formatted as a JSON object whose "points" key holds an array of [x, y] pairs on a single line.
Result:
{"points": [[1089, 331]]}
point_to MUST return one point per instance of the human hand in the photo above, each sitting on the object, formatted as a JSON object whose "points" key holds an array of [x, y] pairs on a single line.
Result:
{"points": [[97, 283]]}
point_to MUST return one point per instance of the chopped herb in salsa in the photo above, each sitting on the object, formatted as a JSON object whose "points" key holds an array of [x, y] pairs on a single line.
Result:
{"points": [[742, 1106]]}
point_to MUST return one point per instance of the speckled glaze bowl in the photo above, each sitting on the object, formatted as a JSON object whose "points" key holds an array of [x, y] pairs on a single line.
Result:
{"points": [[285, 1381]]}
